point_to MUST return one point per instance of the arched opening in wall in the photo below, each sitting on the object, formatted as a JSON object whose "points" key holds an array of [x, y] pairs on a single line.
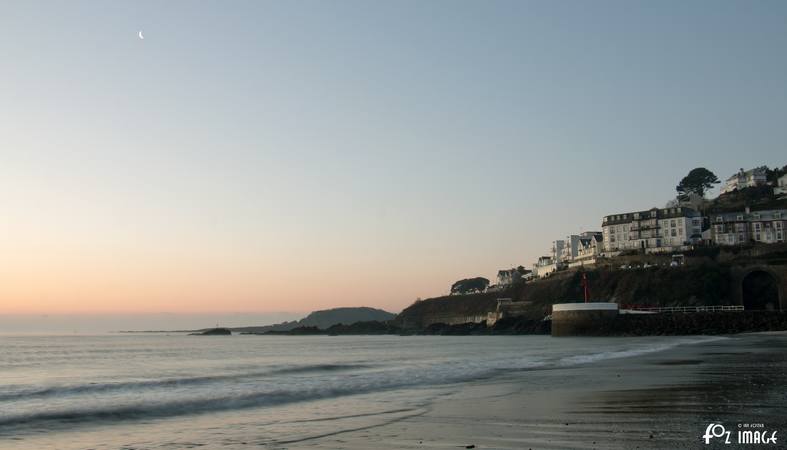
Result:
{"points": [[760, 291]]}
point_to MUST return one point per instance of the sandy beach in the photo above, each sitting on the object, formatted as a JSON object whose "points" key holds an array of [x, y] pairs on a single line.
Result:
{"points": [[388, 392], [660, 400]]}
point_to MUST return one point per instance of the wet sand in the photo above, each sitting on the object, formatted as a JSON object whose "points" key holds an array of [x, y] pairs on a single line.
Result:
{"points": [[661, 400]]}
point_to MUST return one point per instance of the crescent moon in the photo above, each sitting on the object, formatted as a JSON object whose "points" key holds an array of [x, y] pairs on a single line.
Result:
{"points": [[140, 35]]}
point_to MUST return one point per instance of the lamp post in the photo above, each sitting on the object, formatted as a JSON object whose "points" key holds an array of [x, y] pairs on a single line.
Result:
{"points": [[585, 286]]}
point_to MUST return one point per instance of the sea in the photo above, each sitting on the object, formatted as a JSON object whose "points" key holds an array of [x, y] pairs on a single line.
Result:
{"points": [[173, 391]]}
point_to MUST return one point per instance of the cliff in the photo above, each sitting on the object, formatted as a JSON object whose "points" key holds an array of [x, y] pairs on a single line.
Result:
{"points": [[451, 309], [757, 198], [324, 319], [702, 284], [707, 283]]}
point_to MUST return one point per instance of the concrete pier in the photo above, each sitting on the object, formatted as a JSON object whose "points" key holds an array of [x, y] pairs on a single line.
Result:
{"points": [[582, 319]]}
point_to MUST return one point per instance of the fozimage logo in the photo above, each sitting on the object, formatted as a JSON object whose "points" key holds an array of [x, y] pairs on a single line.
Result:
{"points": [[747, 433]]}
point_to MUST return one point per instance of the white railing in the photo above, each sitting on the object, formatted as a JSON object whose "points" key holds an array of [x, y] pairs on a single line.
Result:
{"points": [[688, 309]]}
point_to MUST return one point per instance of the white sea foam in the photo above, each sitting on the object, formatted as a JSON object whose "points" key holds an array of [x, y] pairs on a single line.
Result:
{"points": [[642, 350], [150, 378]]}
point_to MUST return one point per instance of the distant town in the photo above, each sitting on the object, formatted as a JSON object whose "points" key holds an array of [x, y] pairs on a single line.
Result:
{"points": [[722, 260], [750, 209]]}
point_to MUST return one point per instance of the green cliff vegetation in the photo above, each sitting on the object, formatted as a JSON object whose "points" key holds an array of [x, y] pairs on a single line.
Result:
{"points": [[420, 313], [702, 284], [756, 198]]}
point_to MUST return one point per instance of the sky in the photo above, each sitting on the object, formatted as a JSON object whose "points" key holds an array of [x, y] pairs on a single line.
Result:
{"points": [[253, 158]]}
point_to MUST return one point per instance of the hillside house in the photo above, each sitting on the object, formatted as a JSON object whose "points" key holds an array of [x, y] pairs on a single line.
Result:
{"points": [[745, 178], [591, 247], [749, 226], [544, 267], [557, 251], [507, 277], [781, 186]]}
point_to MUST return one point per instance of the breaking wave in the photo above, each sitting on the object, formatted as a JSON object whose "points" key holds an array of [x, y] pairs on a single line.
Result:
{"points": [[278, 385]]}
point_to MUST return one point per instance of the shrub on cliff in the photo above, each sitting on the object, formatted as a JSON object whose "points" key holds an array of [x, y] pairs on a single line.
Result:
{"points": [[470, 285]]}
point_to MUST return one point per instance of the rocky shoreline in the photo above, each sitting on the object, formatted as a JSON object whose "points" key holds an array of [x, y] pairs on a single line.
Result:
{"points": [[664, 324]]}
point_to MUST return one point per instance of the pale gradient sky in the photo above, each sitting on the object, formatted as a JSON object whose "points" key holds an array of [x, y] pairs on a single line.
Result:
{"points": [[291, 156]]}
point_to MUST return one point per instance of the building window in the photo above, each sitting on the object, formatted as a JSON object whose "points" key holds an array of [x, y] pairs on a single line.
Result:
{"points": [[740, 217], [719, 219], [672, 233], [672, 223]]}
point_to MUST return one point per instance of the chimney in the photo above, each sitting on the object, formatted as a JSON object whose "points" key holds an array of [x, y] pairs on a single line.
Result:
{"points": [[748, 210]]}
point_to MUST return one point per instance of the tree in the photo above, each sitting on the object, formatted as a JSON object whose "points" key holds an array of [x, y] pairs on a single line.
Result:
{"points": [[470, 285], [697, 182]]}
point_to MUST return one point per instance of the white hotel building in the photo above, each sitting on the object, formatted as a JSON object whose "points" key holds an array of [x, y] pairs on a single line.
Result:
{"points": [[747, 226], [655, 230]]}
